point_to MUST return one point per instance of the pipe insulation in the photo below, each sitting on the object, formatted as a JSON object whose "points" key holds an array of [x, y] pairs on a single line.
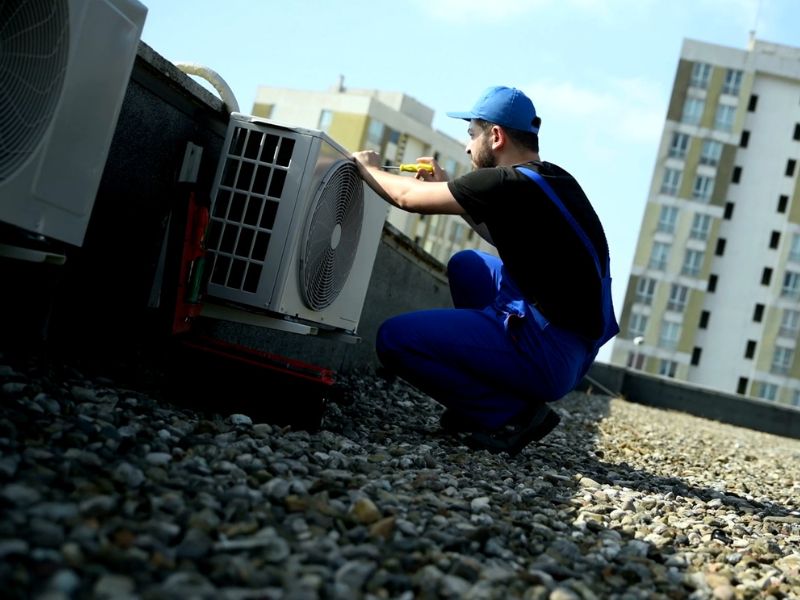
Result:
{"points": [[225, 92]]}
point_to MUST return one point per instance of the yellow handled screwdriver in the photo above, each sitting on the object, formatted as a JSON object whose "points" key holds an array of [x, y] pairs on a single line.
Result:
{"points": [[412, 168]]}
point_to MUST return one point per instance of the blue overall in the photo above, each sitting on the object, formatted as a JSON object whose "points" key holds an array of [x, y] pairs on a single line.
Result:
{"points": [[494, 354]]}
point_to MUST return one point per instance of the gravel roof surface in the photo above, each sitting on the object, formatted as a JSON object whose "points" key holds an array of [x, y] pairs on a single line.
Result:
{"points": [[107, 491]]}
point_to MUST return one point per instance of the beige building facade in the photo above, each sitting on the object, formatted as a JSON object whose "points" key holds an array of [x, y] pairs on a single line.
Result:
{"points": [[396, 126], [714, 293]]}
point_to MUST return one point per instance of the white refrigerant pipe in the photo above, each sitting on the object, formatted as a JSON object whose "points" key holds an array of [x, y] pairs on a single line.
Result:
{"points": [[225, 92]]}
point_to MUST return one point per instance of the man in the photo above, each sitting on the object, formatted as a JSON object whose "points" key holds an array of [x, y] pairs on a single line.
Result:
{"points": [[526, 326]]}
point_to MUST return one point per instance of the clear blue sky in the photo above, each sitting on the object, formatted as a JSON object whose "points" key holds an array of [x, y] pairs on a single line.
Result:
{"points": [[599, 71]]}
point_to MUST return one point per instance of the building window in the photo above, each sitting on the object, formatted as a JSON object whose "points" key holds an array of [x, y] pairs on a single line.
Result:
{"points": [[758, 313], [692, 263], [766, 276], [704, 317], [733, 81], [645, 288], [677, 297], [783, 201], [796, 398], [774, 239], [679, 145], [791, 285], [751, 105], [659, 256], [637, 324], [667, 368], [710, 153], [667, 219], [745, 139], [794, 251], [741, 387], [750, 349], [700, 75], [720, 249], [781, 360], [375, 135], [790, 323], [692, 111], [766, 391], [703, 186], [457, 233], [701, 224], [636, 360], [737, 174], [671, 181], [723, 120], [790, 165], [670, 333], [325, 120], [728, 211], [796, 135], [712, 283], [696, 352]]}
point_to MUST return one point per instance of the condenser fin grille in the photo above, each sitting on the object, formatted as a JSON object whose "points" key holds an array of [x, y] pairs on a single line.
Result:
{"points": [[245, 206], [333, 233], [34, 47]]}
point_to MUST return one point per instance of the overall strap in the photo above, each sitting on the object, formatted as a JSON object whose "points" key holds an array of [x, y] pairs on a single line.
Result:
{"points": [[540, 181]]}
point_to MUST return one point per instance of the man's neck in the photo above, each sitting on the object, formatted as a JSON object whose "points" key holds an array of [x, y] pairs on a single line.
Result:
{"points": [[517, 158]]}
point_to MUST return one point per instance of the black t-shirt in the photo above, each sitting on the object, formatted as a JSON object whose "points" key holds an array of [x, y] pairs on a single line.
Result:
{"points": [[539, 248]]}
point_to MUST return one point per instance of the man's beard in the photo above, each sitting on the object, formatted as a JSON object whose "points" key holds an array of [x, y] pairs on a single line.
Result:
{"points": [[484, 158]]}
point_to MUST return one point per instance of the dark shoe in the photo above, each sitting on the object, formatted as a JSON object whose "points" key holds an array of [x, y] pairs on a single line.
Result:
{"points": [[529, 427], [453, 422]]}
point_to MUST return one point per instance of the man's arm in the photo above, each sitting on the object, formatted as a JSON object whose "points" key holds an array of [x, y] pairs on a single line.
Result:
{"points": [[411, 194]]}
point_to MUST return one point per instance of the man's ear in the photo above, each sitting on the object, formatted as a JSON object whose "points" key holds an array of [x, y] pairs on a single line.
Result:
{"points": [[498, 137]]}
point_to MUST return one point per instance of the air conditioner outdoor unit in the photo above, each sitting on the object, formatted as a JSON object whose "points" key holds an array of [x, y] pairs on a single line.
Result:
{"points": [[294, 230], [64, 69]]}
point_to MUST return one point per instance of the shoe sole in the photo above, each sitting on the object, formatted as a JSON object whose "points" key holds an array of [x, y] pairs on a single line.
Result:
{"points": [[546, 420]]}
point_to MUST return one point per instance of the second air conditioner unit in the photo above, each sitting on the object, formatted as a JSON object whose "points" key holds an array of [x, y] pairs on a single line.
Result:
{"points": [[64, 69], [294, 230]]}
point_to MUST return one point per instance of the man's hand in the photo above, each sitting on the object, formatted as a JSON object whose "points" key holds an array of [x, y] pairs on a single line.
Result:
{"points": [[367, 158], [438, 174]]}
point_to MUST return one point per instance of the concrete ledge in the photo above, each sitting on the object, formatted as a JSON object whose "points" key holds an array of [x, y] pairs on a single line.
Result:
{"points": [[661, 392]]}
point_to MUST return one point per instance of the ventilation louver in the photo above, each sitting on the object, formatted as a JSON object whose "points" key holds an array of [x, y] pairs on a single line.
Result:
{"points": [[294, 229]]}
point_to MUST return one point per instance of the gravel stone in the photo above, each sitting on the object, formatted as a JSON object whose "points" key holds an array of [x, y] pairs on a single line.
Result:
{"points": [[112, 492]]}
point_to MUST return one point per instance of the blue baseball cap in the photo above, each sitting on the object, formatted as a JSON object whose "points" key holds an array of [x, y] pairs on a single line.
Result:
{"points": [[504, 106]]}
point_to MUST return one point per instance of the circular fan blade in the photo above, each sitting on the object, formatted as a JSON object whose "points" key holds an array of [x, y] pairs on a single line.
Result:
{"points": [[34, 47], [333, 233]]}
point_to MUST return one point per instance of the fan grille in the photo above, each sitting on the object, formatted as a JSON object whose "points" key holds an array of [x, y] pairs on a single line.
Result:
{"points": [[245, 206], [333, 233], [34, 48]]}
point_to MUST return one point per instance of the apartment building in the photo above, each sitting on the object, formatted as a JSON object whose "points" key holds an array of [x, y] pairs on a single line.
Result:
{"points": [[714, 293], [396, 126]]}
